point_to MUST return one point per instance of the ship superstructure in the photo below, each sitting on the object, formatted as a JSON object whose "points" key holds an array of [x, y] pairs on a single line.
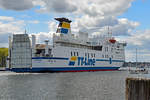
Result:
{"points": [[68, 53]]}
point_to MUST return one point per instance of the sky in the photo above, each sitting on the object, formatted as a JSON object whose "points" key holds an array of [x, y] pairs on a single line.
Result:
{"points": [[128, 20]]}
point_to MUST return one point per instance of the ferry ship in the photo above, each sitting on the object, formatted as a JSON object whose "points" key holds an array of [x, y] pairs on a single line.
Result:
{"points": [[68, 52]]}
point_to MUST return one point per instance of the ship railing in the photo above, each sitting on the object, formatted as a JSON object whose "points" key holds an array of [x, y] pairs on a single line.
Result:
{"points": [[123, 42]]}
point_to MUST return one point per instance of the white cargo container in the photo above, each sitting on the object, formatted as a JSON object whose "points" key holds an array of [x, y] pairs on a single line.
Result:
{"points": [[21, 51]]}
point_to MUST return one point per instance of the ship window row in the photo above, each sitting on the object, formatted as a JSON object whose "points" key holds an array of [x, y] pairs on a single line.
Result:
{"points": [[90, 55], [41, 53], [106, 56], [98, 48], [74, 53], [86, 54], [117, 52], [106, 49], [118, 46], [120, 49], [112, 49]]}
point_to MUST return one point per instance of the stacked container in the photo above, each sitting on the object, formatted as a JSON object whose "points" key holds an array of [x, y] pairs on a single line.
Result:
{"points": [[21, 55]]}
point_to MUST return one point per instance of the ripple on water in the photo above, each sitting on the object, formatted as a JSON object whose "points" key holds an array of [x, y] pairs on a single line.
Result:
{"points": [[63, 86]]}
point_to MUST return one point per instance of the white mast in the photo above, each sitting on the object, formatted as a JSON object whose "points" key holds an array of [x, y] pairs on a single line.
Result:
{"points": [[136, 57], [33, 45]]}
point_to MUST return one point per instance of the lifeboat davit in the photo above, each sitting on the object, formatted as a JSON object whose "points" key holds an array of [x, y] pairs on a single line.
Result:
{"points": [[112, 40]]}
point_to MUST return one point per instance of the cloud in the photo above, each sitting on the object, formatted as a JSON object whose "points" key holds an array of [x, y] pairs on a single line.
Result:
{"points": [[139, 40], [52, 25], [34, 22], [42, 36], [6, 18], [5, 31], [86, 21], [17, 5], [8, 28], [124, 27], [103, 7], [57, 6], [99, 25], [143, 55], [92, 16], [85, 7], [87, 14]]}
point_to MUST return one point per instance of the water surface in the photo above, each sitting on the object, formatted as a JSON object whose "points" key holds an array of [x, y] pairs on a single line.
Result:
{"points": [[63, 86]]}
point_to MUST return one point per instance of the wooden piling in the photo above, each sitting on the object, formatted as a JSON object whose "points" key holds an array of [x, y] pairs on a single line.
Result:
{"points": [[137, 89]]}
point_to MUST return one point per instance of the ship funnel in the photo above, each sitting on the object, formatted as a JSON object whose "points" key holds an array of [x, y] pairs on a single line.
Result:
{"points": [[64, 25]]}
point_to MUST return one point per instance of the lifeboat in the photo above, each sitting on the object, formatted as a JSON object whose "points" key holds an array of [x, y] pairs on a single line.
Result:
{"points": [[112, 40]]}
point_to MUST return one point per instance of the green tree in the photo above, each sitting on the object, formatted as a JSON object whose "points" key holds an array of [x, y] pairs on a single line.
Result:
{"points": [[3, 56]]}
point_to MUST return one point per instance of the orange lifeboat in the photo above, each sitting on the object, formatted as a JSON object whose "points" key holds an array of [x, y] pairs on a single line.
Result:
{"points": [[112, 40]]}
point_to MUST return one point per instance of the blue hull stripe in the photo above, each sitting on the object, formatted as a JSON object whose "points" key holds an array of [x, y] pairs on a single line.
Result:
{"points": [[54, 69], [109, 60], [118, 61], [57, 58], [61, 58], [102, 60]]}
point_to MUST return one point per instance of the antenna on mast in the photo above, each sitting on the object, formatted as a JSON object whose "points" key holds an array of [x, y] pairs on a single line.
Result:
{"points": [[111, 33], [108, 30], [136, 57], [25, 31]]}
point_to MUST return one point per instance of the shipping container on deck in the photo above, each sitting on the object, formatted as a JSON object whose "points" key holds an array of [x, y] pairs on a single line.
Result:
{"points": [[21, 55]]}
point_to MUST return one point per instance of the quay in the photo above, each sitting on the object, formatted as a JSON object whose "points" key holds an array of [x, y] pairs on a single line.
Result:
{"points": [[137, 89]]}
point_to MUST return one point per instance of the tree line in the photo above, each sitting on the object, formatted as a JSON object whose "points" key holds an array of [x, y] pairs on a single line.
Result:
{"points": [[3, 56]]}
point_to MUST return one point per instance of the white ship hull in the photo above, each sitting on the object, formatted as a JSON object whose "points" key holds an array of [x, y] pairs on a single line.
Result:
{"points": [[63, 63]]}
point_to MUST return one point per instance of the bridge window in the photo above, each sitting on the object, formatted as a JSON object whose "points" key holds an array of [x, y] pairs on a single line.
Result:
{"points": [[102, 56], [92, 55], [99, 48], [111, 49], [85, 54], [71, 53], [117, 52], [106, 56], [77, 54], [106, 49]]}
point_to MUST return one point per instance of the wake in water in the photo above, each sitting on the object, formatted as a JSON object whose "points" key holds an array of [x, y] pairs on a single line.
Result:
{"points": [[2, 73]]}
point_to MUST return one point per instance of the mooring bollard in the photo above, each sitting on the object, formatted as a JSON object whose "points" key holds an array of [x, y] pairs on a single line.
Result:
{"points": [[137, 89]]}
